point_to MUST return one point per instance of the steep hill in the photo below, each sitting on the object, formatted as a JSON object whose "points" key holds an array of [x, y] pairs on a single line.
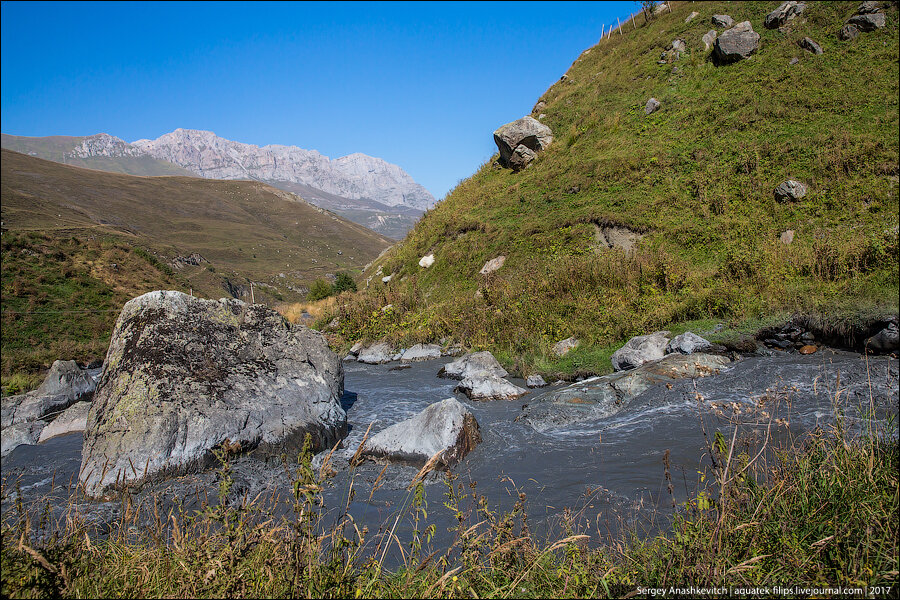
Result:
{"points": [[364, 189], [78, 239], [688, 190]]}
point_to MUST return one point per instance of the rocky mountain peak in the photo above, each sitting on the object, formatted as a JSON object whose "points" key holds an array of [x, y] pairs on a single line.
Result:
{"points": [[103, 144]]}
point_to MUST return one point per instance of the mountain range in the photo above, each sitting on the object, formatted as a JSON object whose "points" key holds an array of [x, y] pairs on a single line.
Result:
{"points": [[367, 190]]}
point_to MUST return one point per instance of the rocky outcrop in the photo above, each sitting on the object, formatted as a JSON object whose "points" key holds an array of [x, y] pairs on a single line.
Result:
{"points": [[488, 386], [782, 14], [868, 22], [421, 352], [72, 420], [65, 384], [808, 44], [602, 397], [640, 349], [105, 145], [356, 176], [520, 141], [724, 21], [185, 376], [735, 44], [446, 427], [790, 190], [471, 364], [376, 354], [688, 343]]}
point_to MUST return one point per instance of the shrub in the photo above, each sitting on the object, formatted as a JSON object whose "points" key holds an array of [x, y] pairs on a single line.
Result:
{"points": [[319, 289]]}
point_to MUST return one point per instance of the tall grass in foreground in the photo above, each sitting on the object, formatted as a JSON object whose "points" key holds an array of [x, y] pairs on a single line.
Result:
{"points": [[818, 511]]}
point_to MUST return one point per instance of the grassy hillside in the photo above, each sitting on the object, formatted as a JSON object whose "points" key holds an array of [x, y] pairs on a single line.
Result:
{"points": [[58, 148], [696, 179], [81, 240]]}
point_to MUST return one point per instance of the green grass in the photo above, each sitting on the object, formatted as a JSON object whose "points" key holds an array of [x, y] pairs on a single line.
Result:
{"points": [[696, 178], [819, 512]]}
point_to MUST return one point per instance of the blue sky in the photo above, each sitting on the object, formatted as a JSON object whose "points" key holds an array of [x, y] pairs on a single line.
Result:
{"points": [[422, 85]]}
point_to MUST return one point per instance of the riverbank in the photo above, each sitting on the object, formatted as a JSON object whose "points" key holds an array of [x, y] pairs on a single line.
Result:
{"points": [[820, 513]]}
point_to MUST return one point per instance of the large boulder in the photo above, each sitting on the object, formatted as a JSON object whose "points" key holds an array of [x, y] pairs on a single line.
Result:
{"points": [[784, 13], [602, 397], [73, 419], [186, 376], [735, 44], [473, 363], [488, 386], [869, 22], [640, 349], [520, 140], [886, 340], [65, 384], [447, 427], [376, 354]]}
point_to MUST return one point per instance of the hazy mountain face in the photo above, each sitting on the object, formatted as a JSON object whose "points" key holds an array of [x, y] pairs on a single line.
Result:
{"points": [[356, 176]]}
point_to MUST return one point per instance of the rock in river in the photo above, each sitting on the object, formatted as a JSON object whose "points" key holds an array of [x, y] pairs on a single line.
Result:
{"points": [[446, 426], [376, 354], [640, 349], [66, 383], [487, 386], [602, 397], [184, 376], [473, 363]]}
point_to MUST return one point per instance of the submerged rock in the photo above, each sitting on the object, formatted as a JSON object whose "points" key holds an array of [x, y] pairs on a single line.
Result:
{"points": [[471, 364], [640, 349], [602, 397], [447, 427], [185, 376]]}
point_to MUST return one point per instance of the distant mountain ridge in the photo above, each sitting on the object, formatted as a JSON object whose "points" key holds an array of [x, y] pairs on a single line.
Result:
{"points": [[365, 189]]}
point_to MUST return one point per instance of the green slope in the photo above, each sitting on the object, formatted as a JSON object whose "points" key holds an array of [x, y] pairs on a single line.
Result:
{"points": [[695, 178]]}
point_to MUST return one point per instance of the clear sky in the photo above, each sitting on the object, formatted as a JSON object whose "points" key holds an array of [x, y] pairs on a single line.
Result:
{"points": [[422, 85]]}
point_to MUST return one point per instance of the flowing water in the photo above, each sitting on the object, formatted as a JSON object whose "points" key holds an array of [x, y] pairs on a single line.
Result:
{"points": [[597, 475]]}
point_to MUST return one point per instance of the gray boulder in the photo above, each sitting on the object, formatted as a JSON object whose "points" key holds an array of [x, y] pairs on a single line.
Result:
{"points": [[185, 376], [789, 190], [722, 21], [735, 44], [886, 340], [808, 44], [376, 354], [602, 397], [688, 343], [709, 38], [65, 384], [640, 349], [535, 381], [488, 386], [652, 106], [848, 32], [473, 363], [868, 7], [421, 352], [74, 419], [565, 346], [20, 433], [447, 427], [679, 46], [869, 22], [492, 265], [782, 14], [520, 140]]}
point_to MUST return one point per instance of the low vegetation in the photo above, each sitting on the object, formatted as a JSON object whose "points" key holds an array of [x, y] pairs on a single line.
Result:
{"points": [[819, 512], [695, 178]]}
